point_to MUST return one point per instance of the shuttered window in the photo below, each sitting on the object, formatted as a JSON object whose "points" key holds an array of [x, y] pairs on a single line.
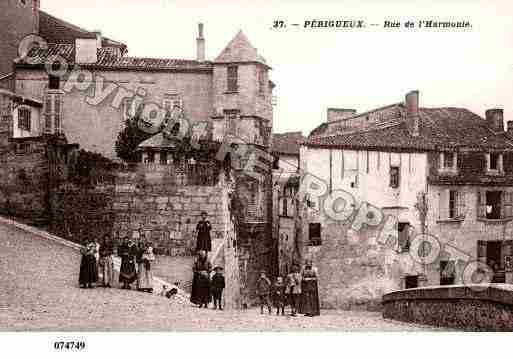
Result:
{"points": [[481, 204], [53, 113], [452, 204], [507, 204]]}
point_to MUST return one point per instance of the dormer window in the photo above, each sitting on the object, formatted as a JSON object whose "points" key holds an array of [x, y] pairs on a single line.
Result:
{"points": [[494, 163], [448, 162]]}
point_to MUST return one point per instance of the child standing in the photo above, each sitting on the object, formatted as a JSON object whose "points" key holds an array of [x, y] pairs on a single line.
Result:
{"points": [[263, 291], [293, 289], [217, 286], [279, 295]]}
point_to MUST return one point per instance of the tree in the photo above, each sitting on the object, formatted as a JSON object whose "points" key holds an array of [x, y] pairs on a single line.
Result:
{"points": [[128, 140]]}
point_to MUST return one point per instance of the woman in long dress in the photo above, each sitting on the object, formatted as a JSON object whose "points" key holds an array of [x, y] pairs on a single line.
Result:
{"points": [[88, 266], [127, 274], [200, 293], [309, 290], [203, 240], [144, 275], [106, 262]]}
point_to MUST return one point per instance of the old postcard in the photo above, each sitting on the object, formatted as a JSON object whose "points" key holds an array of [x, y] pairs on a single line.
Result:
{"points": [[171, 166]]}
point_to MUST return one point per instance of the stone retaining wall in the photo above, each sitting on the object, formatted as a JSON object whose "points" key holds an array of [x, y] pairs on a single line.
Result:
{"points": [[164, 212], [480, 308]]}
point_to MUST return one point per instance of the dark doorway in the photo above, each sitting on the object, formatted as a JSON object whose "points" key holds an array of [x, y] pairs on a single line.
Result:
{"points": [[447, 272], [411, 281], [494, 260]]}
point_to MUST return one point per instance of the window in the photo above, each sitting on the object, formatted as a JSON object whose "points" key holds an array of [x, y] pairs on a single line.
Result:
{"points": [[232, 79], [261, 80], [493, 204], [150, 157], [276, 163], [494, 163], [171, 102], [447, 272], [284, 207], [403, 229], [53, 113], [24, 118], [54, 82], [163, 158], [453, 204], [411, 281], [232, 117], [314, 234], [22, 148], [448, 161], [394, 177]]}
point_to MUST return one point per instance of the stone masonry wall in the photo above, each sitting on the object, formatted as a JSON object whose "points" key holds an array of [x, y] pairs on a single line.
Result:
{"points": [[166, 213], [24, 179], [480, 309]]}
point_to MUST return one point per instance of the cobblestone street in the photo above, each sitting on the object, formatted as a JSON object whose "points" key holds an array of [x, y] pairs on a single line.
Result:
{"points": [[39, 291]]}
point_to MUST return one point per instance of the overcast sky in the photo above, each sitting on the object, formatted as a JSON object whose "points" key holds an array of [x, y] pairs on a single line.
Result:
{"points": [[319, 68]]}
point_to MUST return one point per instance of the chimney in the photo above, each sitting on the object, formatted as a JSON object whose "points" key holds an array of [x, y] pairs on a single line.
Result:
{"points": [[86, 51], [35, 10], [99, 39], [411, 102], [510, 129], [335, 114], [200, 44], [495, 119]]}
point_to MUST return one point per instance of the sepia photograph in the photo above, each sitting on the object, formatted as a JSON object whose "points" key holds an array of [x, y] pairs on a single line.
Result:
{"points": [[243, 167]]}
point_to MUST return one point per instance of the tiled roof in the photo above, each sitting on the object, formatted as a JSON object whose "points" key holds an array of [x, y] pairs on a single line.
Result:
{"points": [[239, 49], [287, 143], [158, 141], [108, 61], [57, 31], [439, 128]]}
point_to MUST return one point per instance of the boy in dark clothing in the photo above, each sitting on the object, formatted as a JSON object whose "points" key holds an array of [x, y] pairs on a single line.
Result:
{"points": [[263, 291], [217, 286], [279, 295]]}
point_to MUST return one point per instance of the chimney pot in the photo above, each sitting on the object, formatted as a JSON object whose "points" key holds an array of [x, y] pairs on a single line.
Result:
{"points": [[200, 30], [200, 44], [412, 112], [495, 119]]}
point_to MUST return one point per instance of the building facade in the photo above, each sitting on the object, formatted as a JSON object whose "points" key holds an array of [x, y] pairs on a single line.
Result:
{"points": [[442, 174], [286, 219], [86, 88]]}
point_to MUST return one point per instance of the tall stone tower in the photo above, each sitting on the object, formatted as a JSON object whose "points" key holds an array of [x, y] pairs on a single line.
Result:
{"points": [[243, 113], [19, 18]]}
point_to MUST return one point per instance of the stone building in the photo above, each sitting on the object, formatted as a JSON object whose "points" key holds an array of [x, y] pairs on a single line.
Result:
{"points": [[379, 171], [86, 88], [286, 221]]}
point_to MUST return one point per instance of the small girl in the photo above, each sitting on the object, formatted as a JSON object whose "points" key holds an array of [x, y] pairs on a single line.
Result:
{"points": [[279, 295]]}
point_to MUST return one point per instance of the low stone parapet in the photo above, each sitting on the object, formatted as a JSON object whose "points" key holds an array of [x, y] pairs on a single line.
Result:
{"points": [[474, 307]]}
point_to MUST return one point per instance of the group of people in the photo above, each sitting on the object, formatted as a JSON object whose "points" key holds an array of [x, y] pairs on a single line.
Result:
{"points": [[97, 264], [299, 290]]}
